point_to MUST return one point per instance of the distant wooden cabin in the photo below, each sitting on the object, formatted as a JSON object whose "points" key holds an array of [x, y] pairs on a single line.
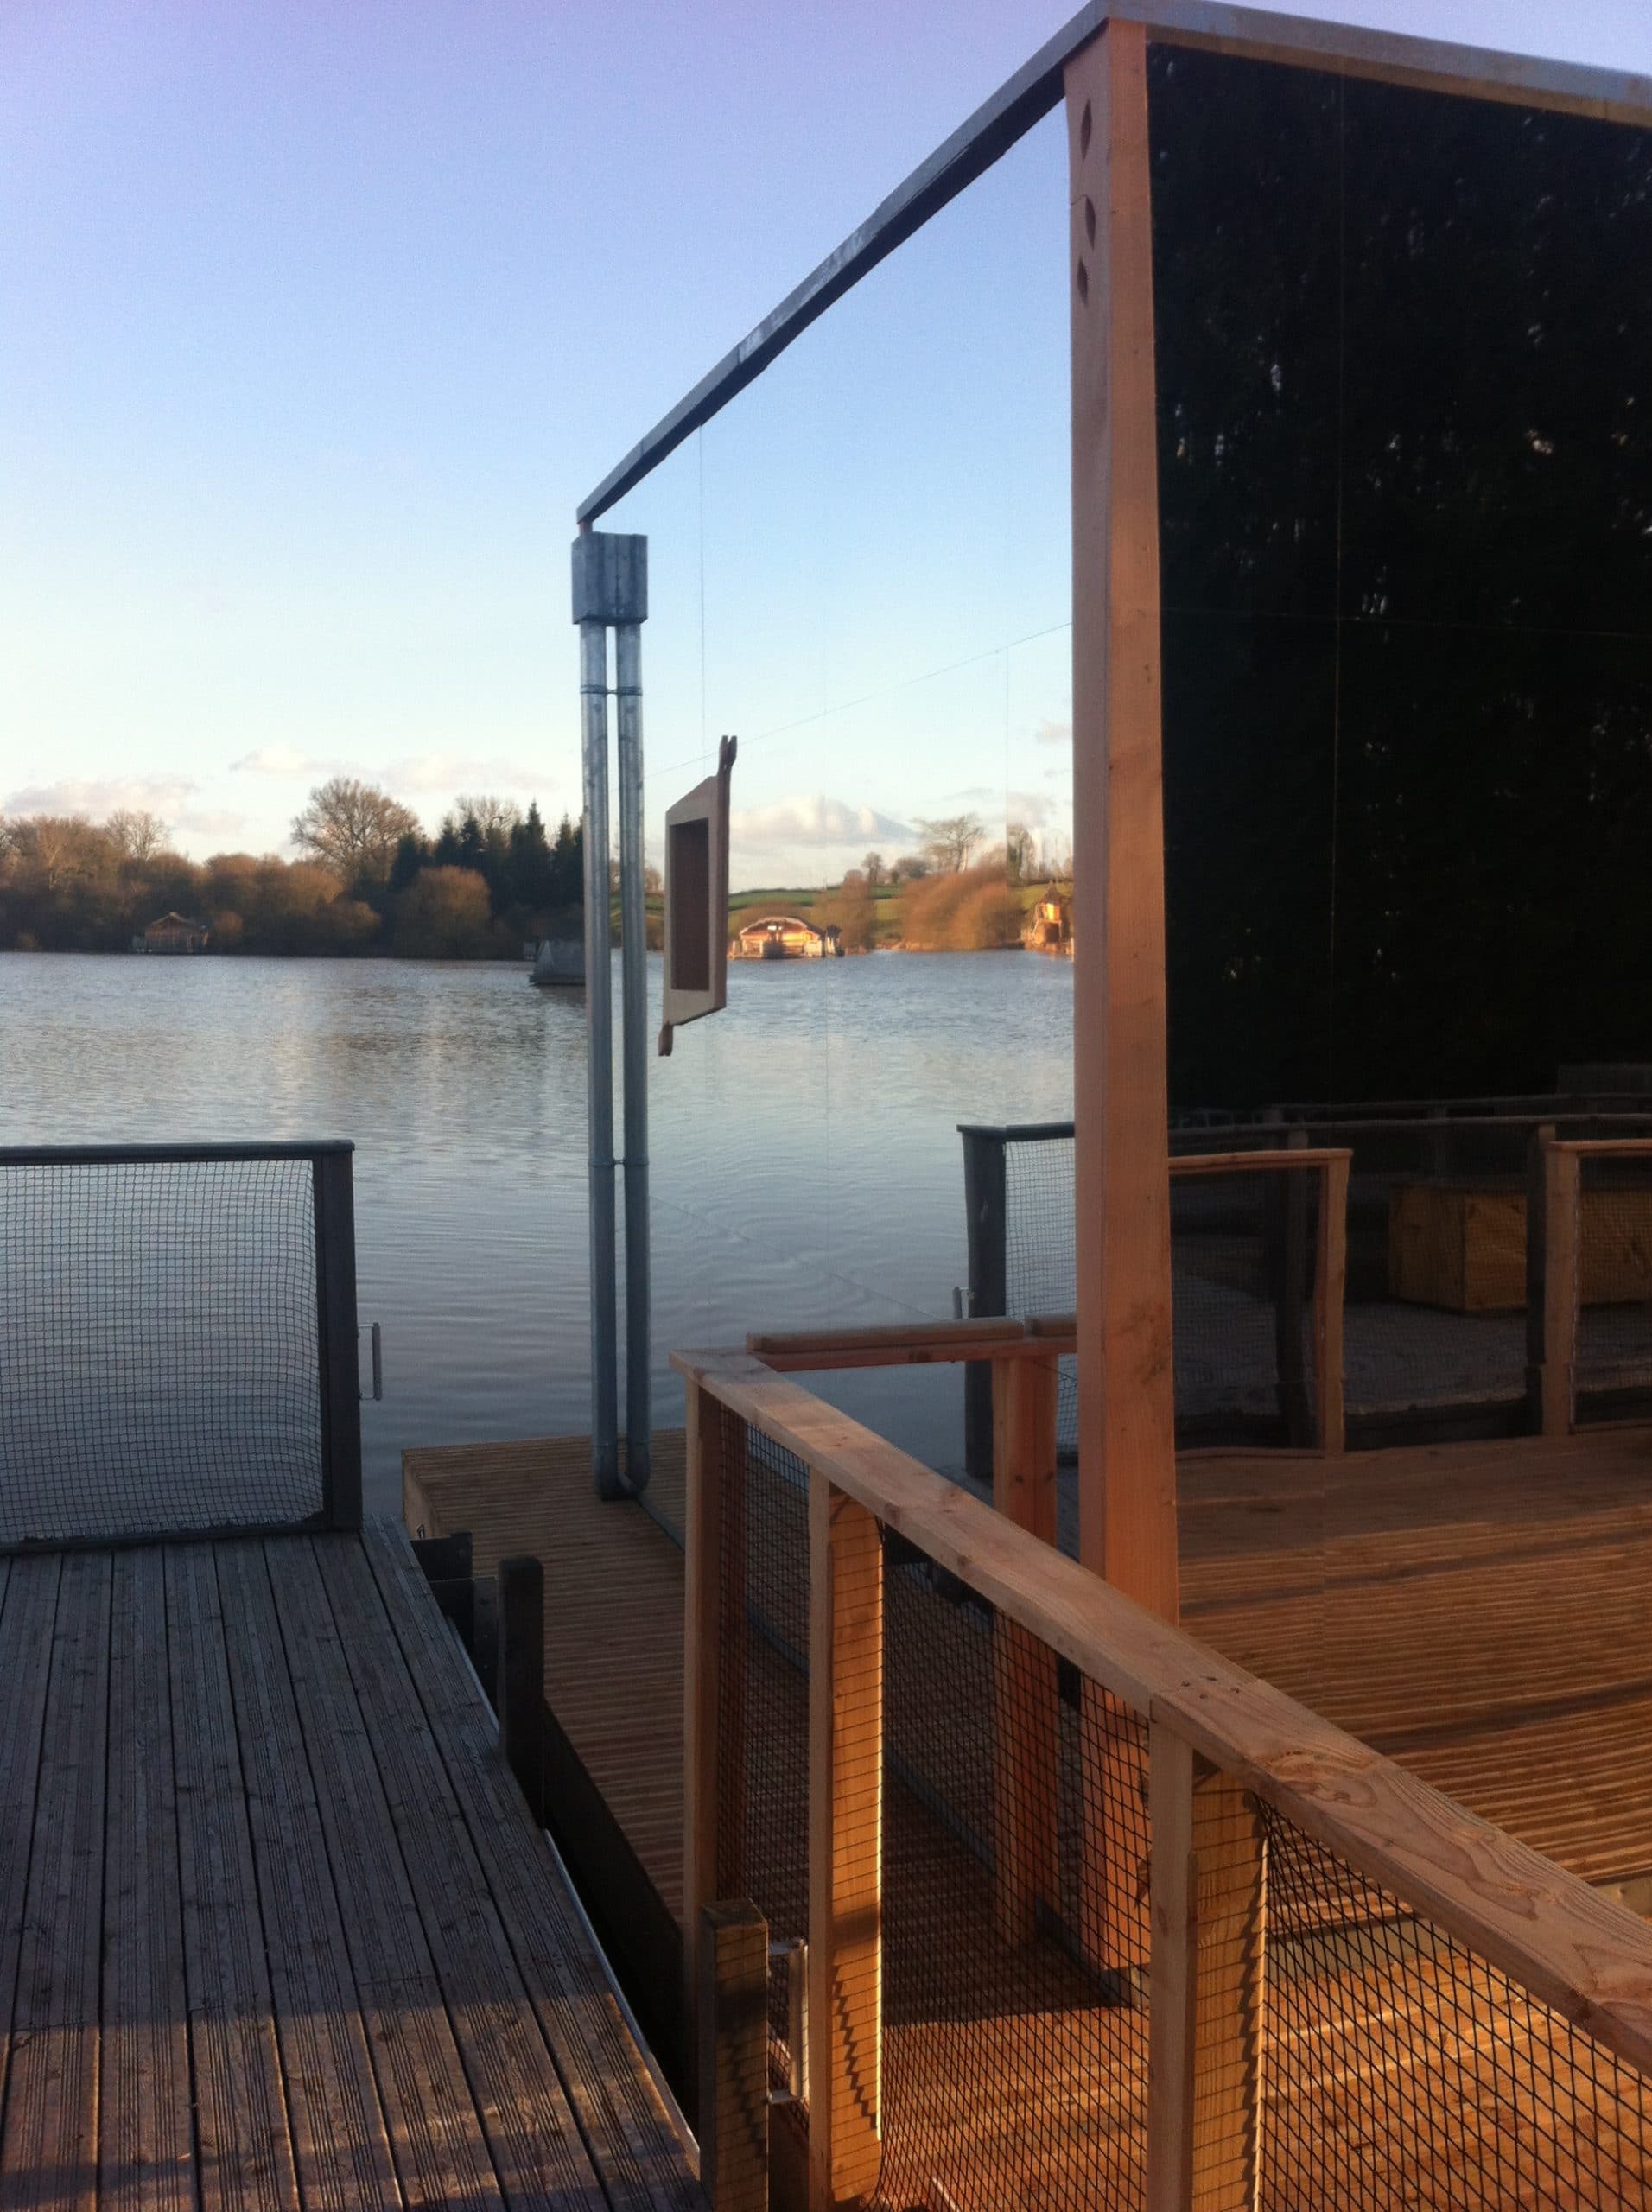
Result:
{"points": [[1048, 927], [784, 937], [173, 933]]}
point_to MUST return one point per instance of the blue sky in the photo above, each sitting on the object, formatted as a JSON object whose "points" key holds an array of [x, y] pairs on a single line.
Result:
{"points": [[320, 318]]}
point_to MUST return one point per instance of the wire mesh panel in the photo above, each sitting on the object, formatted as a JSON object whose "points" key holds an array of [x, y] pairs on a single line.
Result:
{"points": [[763, 1700], [1038, 1258], [161, 1359], [1402, 2069], [1612, 1362], [1014, 1866], [1243, 1248]]}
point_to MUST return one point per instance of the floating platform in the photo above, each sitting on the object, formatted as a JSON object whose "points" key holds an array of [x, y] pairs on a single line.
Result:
{"points": [[277, 1926], [1480, 1613]]}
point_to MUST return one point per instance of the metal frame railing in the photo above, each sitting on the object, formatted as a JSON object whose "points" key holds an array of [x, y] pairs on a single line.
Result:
{"points": [[1220, 1760], [337, 1359]]}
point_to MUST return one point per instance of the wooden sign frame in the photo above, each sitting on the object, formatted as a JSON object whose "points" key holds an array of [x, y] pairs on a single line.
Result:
{"points": [[696, 901]]}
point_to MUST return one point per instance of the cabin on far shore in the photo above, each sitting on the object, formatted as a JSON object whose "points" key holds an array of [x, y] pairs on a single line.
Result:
{"points": [[1048, 927], [783, 936], [173, 933]]}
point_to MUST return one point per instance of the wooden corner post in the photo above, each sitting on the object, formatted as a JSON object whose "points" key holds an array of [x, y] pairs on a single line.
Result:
{"points": [[1330, 1291], [521, 1681], [732, 2040], [1126, 1464], [1562, 1232], [845, 1847]]}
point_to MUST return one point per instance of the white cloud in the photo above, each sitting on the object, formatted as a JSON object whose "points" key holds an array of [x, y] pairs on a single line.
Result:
{"points": [[281, 760], [1049, 733], [166, 796], [449, 773], [814, 820], [1032, 808]]}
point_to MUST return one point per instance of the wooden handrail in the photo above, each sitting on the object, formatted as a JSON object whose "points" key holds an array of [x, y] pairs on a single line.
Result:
{"points": [[1581, 1953], [1594, 1146], [1233, 1163]]}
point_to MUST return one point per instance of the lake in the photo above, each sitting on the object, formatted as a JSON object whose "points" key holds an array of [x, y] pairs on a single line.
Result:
{"points": [[807, 1170]]}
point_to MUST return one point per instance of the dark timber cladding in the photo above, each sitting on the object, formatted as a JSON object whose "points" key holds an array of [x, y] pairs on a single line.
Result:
{"points": [[277, 1927], [1035, 91]]}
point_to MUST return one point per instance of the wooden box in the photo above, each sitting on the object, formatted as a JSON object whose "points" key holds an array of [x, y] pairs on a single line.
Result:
{"points": [[1463, 1246]]}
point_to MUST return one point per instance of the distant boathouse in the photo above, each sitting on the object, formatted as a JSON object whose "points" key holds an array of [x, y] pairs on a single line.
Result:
{"points": [[173, 933], [784, 937]]}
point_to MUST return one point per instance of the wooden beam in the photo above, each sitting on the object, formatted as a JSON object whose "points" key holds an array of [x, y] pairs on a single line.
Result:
{"points": [[1330, 1289], [845, 1847], [1127, 1445], [732, 2037], [1562, 1199], [1172, 1973], [1025, 1677]]}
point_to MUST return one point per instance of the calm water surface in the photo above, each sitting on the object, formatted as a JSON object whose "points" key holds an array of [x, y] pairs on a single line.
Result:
{"points": [[806, 1166]]}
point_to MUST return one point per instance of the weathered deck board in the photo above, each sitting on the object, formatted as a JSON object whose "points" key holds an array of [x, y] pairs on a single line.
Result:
{"points": [[244, 2148], [49, 2156], [147, 2162], [535, 2147], [340, 2139], [271, 1934], [26, 1613], [620, 2112]]}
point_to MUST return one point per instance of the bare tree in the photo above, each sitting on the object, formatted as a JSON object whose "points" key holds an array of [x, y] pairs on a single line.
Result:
{"points": [[486, 808], [354, 828], [952, 839], [875, 869], [137, 834], [909, 868], [59, 849]]}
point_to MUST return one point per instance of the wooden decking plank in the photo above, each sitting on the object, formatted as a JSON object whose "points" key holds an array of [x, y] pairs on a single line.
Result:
{"points": [[49, 2152], [436, 2137], [340, 2142], [537, 2150], [146, 2160], [27, 1611], [243, 2133], [634, 2142]]}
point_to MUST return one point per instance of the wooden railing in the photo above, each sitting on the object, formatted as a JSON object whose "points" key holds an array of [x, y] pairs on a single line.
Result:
{"points": [[1560, 1293], [1224, 1753]]}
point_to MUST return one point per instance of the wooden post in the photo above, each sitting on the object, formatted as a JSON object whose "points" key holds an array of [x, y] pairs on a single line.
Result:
{"points": [[339, 1352], [1536, 1269], [986, 1209], [845, 1847], [732, 2040], [1127, 1462], [1330, 1288], [522, 1677], [1290, 1216], [1027, 1689], [449, 1569], [706, 1850], [1562, 1182], [1206, 1977]]}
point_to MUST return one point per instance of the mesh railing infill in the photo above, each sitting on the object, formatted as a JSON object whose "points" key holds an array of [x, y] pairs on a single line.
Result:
{"points": [[1401, 2069], [1039, 1256], [1015, 2066], [160, 1361], [1612, 1359], [763, 1697]]}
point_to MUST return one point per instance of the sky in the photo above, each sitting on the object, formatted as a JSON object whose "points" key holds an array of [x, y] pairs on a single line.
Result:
{"points": [[321, 316]]}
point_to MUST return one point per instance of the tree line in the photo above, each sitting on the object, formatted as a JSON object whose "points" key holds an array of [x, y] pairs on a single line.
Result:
{"points": [[368, 880]]}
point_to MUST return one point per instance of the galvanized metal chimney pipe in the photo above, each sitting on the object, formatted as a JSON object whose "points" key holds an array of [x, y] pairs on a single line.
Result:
{"points": [[599, 1059], [640, 1412]]}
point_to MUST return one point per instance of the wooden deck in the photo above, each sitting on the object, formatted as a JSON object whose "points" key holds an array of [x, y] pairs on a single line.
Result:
{"points": [[1483, 1612], [277, 1927]]}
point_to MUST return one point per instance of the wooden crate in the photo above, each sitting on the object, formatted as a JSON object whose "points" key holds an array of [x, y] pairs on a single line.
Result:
{"points": [[1462, 1246]]}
